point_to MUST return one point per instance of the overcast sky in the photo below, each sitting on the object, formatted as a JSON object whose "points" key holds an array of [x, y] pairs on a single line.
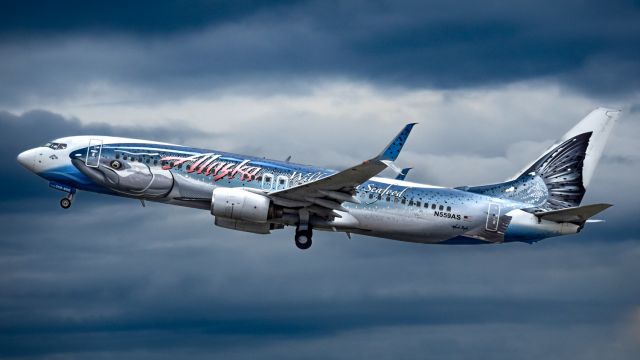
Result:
{"points": [[490, 83]]}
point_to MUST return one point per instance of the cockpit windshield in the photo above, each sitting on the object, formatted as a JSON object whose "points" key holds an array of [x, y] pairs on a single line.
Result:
{"points": [[55, 146]]}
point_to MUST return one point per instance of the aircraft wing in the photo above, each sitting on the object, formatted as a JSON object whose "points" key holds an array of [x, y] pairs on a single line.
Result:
{"points": [[327, 194]]}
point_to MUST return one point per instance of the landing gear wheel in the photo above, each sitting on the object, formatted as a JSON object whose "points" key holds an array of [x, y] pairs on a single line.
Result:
{"points": [[303, 239], [65, 203]]}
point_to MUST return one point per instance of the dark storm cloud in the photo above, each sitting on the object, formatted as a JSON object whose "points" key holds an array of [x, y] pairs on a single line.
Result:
{"points": [[592, 46], [47, 16], [165, 280]]}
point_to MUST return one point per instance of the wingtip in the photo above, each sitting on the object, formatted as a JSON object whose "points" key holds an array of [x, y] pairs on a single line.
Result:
{"points": [[392, 150]]}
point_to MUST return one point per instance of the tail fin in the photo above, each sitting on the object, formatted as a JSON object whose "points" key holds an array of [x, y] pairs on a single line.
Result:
{"points": [[559, 177]]}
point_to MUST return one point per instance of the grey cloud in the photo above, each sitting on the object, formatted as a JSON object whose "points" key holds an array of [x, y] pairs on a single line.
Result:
{"points": [[585, 46]]}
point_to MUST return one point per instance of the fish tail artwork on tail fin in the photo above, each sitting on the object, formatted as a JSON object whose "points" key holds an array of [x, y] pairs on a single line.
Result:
{"points": [[559, 177]]}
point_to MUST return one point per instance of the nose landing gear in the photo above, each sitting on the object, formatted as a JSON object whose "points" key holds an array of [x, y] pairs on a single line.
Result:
{"points": [[65, 202]]}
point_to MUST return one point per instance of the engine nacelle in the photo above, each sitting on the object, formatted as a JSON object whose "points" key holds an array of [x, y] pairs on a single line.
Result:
{"points": [[248, 226], [238, 204]]}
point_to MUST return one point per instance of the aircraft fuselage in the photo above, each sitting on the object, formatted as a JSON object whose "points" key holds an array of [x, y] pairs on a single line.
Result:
{"points": [[186, 176]]}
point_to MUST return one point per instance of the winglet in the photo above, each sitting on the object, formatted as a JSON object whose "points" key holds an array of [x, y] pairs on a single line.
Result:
{"points": [[403, 174], [392, 150]]}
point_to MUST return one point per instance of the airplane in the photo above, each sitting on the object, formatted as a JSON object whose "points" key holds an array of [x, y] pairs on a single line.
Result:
{"points": [[257, 195]]}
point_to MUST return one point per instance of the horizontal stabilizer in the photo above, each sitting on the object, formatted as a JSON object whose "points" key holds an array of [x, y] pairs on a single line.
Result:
{"points": [[576, 215]]}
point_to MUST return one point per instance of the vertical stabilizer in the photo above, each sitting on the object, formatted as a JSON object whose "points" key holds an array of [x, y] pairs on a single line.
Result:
{"points": [[599, 123], [559, 177]]}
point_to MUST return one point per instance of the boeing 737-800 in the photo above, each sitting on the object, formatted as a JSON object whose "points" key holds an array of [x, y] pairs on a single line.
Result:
{"points": [[257, 195]]}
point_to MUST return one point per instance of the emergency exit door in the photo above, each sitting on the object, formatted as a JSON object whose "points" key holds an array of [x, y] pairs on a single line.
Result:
{"points": [[493, 217]]}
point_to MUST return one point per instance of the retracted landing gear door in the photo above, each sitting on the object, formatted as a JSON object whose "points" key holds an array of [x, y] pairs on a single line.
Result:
{"points": [[93, 153]]}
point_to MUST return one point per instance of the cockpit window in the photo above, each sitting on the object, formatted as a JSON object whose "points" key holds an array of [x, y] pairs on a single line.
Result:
{"points": [[55, 146]]}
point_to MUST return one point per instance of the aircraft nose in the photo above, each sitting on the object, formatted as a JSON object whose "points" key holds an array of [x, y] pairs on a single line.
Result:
{"points": [[28, 159]]}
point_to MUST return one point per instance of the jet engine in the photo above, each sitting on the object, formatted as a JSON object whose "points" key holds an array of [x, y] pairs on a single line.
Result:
{"points": [[239, 204], [242, 210]]}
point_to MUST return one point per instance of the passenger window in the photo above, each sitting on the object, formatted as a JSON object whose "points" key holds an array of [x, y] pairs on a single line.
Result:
{"points": [[418, 203], [117, 156], [426, 205], [404, 201], [388, 198], [441, 208], [411, 202], [448, 208], [370, 196], [155, 162], [433, 206]]}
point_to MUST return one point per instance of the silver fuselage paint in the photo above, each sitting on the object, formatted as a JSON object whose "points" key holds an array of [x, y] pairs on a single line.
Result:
{"points": [[185, 176]]}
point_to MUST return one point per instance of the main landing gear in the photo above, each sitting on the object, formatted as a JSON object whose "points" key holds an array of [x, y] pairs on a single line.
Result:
{"points": [[303, 238], [303, 231]]}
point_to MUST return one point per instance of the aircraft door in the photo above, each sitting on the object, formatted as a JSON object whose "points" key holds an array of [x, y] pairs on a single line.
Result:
{"points": [[282, 182], [493, 217], [93, 152], [267, 182]]}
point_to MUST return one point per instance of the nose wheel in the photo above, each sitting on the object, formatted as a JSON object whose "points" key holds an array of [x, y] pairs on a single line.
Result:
{"points": [[65, 202], [303, 239]]}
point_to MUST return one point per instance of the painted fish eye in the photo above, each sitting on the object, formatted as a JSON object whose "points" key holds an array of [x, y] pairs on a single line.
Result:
{"points": [[116, 164]]}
